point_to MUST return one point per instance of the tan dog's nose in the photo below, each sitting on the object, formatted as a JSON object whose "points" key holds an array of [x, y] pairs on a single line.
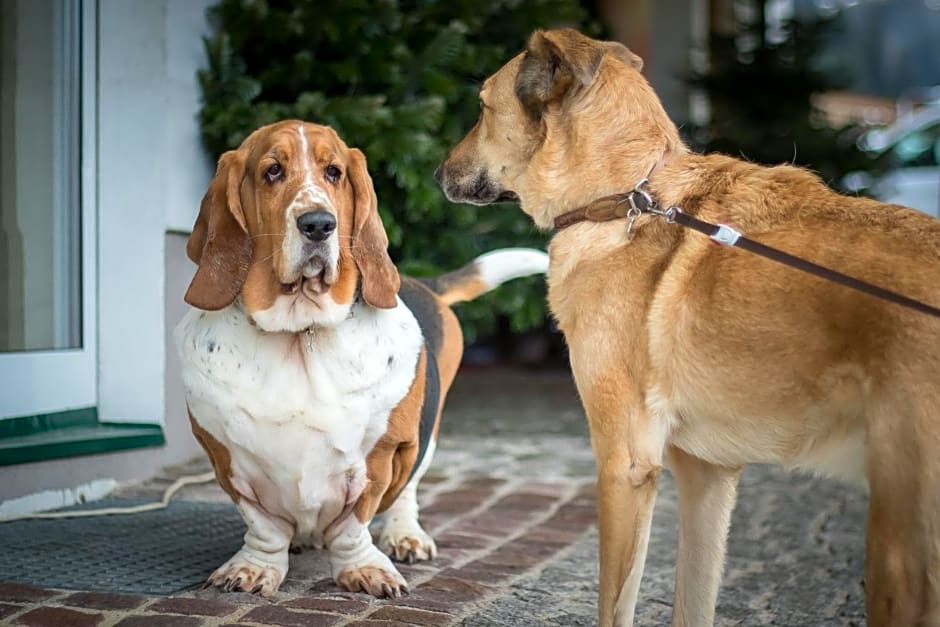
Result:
{"points": [[316, 225]]}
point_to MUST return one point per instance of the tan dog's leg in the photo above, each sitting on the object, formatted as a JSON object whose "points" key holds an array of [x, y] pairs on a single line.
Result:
{"points": [[706, 498], [261, 564], [629, 461], [402, 536], [902, 573]]}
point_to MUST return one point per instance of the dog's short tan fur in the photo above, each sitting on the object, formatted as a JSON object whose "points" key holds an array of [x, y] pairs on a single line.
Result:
{"points": [[710, 356]]}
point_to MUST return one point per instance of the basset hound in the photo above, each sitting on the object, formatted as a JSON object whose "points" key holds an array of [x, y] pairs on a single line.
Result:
{"points": [[314, 374]]}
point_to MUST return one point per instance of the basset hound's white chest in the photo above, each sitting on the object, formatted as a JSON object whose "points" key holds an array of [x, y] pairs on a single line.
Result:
{"points": [[298, 413]]}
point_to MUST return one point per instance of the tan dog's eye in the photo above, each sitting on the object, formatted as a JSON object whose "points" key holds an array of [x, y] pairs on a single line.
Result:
{"points": [[274, 172], [332, 174]]}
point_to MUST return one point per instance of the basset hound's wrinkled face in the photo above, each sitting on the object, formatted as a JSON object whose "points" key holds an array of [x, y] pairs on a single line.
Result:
{"points": [[290, 224]]}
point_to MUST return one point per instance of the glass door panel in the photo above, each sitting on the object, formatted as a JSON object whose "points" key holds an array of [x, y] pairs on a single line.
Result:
{"points": [[46, 207]]}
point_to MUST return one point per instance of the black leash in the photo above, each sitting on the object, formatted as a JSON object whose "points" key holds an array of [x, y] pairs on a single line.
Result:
{"points": [[633, 204]]}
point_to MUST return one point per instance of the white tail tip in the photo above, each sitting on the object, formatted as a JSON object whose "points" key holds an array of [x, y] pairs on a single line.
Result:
{"points": [[498, 266]]}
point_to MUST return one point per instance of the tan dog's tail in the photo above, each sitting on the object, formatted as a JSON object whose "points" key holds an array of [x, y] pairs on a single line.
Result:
{"points": [[487, 272]]}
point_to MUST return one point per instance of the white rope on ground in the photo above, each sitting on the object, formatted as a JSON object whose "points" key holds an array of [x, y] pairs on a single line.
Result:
{"points": [[116, 511]]}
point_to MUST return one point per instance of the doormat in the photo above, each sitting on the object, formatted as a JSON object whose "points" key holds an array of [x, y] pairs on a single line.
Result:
{"points": [[158, 552]]}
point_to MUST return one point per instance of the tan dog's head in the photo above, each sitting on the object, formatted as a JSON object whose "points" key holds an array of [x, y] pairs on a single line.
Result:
{"points": [[290, 223], [559, 124]]}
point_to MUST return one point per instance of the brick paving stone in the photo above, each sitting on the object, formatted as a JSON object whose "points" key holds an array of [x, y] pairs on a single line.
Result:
{"points": [[428, 604], [484, 482], [104, 601], [434, 520], [276, 615], [374, 623], [475, 572], [446, 557], [432, 479], [23, 592], [451, 590], [571, 519], [588, 490], [553, 537], [160, 620], [522, 550], [411, 616], [7, 610], [190, 606], [456, 503], [510, 561], [450, 540], [340, 606], [551, 488], [494, 524], [58, 617], [525, 501], [500, 570]]}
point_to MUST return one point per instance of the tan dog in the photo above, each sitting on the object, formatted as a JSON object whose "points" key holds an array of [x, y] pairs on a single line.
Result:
{"points": [[315, 375], [710, 355]]}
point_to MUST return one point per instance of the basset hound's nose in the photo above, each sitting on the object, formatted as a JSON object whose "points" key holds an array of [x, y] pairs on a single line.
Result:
{"points": [[438, 173], [316, 225]]}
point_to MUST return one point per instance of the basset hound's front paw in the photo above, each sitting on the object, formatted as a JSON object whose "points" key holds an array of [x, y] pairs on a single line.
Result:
{"points": [[241, 575], [376, 580], [407, 542]]}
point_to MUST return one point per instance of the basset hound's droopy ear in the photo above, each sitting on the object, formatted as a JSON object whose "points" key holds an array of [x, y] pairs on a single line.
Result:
{"points": [[380, 280], [557, 61], [219, 244]]}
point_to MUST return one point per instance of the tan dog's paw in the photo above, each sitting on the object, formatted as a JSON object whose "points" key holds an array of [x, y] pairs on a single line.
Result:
{"points": [[408, 544], [375, 580], [240, 576]]}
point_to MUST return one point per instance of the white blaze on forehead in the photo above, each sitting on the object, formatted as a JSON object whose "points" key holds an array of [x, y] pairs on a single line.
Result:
{"points": [[309, 197], [310, 193], [305, 155]]}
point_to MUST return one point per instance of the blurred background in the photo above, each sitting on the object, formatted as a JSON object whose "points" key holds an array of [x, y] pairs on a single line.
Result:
{"points": [[112, 113]]}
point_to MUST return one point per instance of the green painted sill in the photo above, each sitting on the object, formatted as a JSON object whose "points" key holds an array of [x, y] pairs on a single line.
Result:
{"points": [[70, 434]]}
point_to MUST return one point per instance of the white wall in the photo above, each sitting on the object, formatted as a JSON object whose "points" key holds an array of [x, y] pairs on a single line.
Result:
{"points": [[185, 26], [152, 171]]}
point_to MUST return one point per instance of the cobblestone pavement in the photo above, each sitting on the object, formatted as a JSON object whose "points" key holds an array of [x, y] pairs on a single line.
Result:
{"points": [[510, 501]]}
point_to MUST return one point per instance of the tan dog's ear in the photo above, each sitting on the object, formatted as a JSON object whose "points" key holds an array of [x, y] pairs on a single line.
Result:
{"points": [[219, 243], [380, 280], [624, 54], [557, 60]]}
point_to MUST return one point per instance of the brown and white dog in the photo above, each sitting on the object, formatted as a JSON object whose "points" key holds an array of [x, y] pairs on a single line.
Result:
{"points": [[314, 375], [711, 356]]}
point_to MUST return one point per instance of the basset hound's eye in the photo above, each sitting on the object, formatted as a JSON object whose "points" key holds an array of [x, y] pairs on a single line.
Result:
{"points": [[332, 174], [274, 172]]}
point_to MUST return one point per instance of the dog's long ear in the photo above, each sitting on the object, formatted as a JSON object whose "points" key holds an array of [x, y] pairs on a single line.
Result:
{"points": [[380, 280], [219, 244], [556, 61]]}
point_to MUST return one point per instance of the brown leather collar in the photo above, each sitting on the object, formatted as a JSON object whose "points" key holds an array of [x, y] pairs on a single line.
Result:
{"points": [[601, 210], [623, 205]]}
